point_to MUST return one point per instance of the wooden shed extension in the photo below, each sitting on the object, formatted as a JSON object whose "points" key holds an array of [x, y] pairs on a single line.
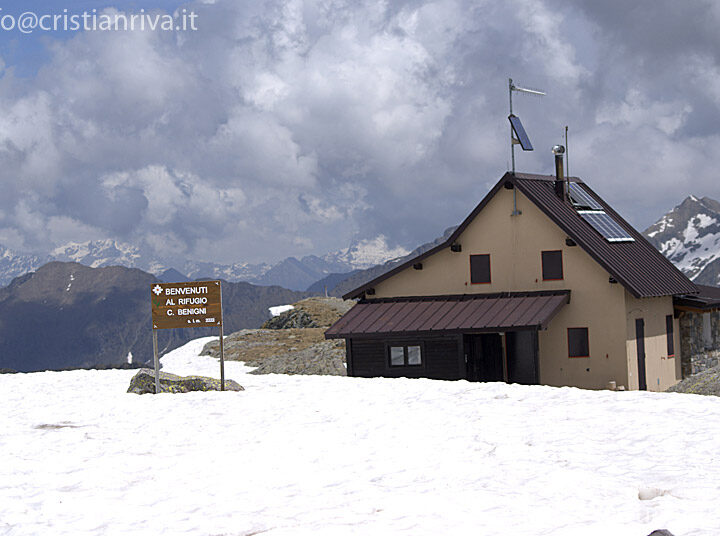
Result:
{"points": [[444, 315]]}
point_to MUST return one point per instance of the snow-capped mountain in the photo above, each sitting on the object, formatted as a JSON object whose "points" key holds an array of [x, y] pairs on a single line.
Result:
{"points": [[13, 264], [689, 235], [363, 254], [101, 253], [290, 273]]}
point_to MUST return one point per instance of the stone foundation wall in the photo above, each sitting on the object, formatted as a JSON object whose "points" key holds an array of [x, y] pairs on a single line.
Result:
{"points": [[696, 355]]}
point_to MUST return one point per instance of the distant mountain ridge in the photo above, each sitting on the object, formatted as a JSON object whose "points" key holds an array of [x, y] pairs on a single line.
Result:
{"points": [[291, 273], [67, 315], [689, 235]]}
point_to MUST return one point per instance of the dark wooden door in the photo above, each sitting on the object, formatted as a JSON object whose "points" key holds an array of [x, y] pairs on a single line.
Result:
{"points": [[640, 343], [485, 358], [522, 357]]}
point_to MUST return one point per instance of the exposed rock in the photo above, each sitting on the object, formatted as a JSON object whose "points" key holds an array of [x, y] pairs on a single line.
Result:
{"points": [[311, 313], [7, 371], [704, 383], [325, 358], [261, 347], [661, 532], [294, 318], [144, 382]]}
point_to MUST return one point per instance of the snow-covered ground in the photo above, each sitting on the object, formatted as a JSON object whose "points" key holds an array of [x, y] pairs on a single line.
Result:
{"points": [[335, 456]]}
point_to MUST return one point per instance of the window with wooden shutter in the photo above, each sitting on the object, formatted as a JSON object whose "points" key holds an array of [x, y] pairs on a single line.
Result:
{"points": [[578, 342], [552, 265], [669, 329], [479, 269]]}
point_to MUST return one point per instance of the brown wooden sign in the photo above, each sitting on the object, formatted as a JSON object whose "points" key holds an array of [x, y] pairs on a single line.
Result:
{"points": [[186, 305]]}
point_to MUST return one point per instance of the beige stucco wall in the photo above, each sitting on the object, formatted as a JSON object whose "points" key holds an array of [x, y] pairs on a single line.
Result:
{"points": [[661, 371], [515, 244]]}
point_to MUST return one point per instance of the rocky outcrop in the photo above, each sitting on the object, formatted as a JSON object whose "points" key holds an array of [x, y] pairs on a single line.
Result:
{"points": [[704, 383], [325, 358], [315, 312], [294, 318], [144, 382]]}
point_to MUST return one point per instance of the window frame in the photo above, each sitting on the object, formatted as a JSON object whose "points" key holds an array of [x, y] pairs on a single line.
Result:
{"points": [[670, 335], [542, 265], [489, 269], [405, 345], [587, 342]]}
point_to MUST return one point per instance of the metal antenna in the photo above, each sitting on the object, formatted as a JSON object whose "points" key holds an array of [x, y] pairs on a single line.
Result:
{"points": [[512, 87], [567, 158]]}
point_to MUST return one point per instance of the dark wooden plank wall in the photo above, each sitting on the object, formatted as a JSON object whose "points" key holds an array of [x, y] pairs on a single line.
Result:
{"points": [[441, 359]]}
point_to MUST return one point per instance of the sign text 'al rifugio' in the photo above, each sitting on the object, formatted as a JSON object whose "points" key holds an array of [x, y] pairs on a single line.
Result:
{"points": [[186, 305]]}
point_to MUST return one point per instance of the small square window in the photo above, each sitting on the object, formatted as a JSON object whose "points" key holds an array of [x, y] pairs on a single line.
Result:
{"points": [[414, 355], [397, 356], [578, 343], [552, 265], [480, 269]]}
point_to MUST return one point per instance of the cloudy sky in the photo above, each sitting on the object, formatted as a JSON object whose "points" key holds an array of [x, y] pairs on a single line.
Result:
{"points": [[290, 128]]}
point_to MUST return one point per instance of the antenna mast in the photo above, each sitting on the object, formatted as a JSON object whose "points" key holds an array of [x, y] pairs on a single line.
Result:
{"points": [[567, 158]]}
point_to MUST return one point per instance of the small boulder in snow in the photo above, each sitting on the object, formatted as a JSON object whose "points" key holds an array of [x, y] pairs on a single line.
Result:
{"points": [[144, 382]]}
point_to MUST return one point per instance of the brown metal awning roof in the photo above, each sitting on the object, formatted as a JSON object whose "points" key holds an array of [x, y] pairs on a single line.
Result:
{"points": [[708, 299], [436, 315]]}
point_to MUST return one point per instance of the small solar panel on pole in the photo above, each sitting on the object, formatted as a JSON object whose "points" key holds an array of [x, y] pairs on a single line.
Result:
{"points": [[516, 128]]}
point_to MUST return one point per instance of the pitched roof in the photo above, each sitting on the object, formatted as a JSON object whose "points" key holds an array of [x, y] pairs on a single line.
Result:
{"points": [[466, 313], [637, 265]]}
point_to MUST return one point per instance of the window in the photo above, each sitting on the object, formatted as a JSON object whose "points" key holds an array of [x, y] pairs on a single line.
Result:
{"points": [[670, 335], [405, 356], [578, 344], [552, 265], [479, 269]]}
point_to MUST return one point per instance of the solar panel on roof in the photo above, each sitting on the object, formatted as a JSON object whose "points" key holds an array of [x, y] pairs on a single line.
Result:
{"points": [[520, 133], [581, 198], [606, 226]]}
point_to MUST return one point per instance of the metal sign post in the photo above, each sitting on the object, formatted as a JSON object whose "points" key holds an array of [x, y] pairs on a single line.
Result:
{"points": [[157, 363], [222, 348], [187, 305]]}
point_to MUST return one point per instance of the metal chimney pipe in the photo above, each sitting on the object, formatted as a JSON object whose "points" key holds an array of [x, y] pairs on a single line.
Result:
{"points": [[559, 151]]}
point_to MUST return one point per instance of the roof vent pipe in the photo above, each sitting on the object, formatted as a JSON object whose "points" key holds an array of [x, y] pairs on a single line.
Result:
{"points": [[559, 151]]}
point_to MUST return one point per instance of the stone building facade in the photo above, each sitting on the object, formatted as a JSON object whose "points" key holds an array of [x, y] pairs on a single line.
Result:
{"points": [[699, 341]]}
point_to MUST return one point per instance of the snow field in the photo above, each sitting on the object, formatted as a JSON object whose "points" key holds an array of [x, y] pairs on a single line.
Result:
{"points": [[333, 455]]}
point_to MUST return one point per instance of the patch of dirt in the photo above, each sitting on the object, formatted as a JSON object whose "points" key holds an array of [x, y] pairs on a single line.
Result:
{"points": [[290, 350], [325, 311], [255, 346]]}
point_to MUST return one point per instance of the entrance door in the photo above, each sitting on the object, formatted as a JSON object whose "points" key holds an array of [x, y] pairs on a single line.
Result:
{"points": [[640, 343], [484, 357], [522, 353]]}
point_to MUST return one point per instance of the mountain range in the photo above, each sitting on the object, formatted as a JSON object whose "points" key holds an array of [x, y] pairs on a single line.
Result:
{"points": [[67, 315], [291, 273], [689, 235]]}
